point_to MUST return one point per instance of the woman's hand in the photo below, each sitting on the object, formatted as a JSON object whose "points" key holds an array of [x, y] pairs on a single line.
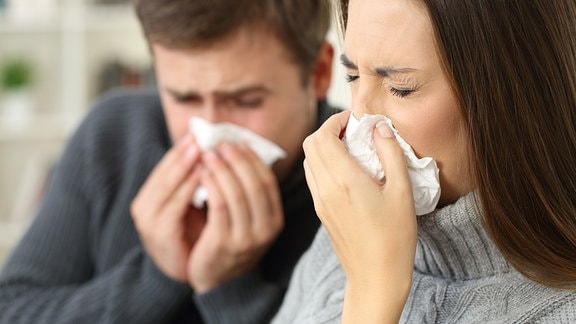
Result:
{"points": [[372, 225]]}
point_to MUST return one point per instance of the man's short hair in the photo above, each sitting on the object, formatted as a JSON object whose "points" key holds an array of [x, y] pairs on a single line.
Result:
{"points": [[300, 25]]}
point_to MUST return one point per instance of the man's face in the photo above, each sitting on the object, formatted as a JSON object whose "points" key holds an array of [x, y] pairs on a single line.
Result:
{"points": [[247, 79]]}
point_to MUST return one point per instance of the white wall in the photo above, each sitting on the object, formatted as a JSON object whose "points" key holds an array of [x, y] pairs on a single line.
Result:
{"points": [[339, 93]]}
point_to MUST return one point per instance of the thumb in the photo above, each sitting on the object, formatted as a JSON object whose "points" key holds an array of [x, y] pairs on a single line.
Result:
{"points": [[391, 157]]}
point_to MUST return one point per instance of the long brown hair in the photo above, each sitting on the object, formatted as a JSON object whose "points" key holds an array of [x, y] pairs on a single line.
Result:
{"points": [[300, 25], [512, 64]]}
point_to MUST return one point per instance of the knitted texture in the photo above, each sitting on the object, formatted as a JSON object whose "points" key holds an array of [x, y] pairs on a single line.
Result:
{"points": [[459, 277], [81, 260]]}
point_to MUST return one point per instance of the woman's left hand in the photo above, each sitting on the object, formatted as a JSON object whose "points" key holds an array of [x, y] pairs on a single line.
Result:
{"points": [[372, 225]]}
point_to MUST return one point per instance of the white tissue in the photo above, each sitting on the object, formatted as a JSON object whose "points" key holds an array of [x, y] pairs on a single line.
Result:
{"points": [[423, 173], [208, 135]]}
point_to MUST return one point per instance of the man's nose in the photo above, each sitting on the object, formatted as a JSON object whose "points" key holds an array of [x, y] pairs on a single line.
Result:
{"points": [[210, 111]]}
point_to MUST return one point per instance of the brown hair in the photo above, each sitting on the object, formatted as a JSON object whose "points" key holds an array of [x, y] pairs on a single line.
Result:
{"points": [[512, 64], [301, 25]]}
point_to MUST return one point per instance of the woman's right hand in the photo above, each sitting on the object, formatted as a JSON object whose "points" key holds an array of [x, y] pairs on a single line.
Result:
{"points": [[372, 225]]}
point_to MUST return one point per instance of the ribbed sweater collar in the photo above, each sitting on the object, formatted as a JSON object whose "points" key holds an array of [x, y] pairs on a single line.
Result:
{"points": [[453, 245]]}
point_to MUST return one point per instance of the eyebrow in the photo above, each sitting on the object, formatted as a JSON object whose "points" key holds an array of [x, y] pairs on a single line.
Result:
{"points": [[242, 91], [181, 93], [220, 93], [347, 62], [382, 71]]}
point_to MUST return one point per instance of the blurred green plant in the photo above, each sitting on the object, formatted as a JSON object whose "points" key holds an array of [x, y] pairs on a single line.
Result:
{"points": [[15, 74]]}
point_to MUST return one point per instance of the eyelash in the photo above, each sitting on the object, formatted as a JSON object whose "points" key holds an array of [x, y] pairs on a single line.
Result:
{"points": [[351, 78], [402, 93], [250, 103]]}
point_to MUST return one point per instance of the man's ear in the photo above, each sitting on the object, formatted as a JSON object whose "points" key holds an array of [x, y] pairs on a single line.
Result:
{"points": [[322, 71]]}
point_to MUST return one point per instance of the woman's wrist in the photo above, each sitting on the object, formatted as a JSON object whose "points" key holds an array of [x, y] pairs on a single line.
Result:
{"points": [[375, 301]]}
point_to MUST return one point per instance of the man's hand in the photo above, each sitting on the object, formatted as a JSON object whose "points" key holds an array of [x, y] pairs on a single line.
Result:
{"points": [[244, 216], [243, 219], [166, 223]]}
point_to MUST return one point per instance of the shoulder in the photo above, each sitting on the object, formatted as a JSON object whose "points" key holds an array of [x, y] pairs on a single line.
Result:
{"points": [[121, 125], [124, 97], [124, 114], [560, 309], [124, 106]]}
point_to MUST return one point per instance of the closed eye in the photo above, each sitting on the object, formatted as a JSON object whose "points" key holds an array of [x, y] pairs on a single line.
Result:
{"points": [[186, 98], [249, 101], [402, 93], [351, 78]]}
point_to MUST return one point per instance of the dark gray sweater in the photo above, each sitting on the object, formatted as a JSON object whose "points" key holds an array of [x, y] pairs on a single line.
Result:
{"points": [[81, 260]]}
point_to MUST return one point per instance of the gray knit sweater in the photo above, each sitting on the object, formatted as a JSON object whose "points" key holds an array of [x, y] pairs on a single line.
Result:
{"points": [[459, 277], [81, 260]]}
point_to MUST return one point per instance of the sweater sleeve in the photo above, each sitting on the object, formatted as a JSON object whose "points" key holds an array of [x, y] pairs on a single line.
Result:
{"points": [[133, 292], [249, 299], [55, 273]]}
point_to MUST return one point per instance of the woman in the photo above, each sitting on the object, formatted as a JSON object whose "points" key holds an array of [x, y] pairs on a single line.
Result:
{"points": [[486, 88]]}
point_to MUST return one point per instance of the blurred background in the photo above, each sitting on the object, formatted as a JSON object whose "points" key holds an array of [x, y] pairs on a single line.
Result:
{"points": [[56, 58]]}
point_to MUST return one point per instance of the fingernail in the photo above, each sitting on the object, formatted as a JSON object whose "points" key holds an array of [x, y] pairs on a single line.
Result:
{"points": [[384, 130]]}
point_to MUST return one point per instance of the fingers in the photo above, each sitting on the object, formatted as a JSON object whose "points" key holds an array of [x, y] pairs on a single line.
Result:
{"points": [[244, 216], [160, 207], [325, 147], [328, 165], [180, 199], [260, 187], [314, 190], [167, 176], [392, 158], [225, 188], [219, 218], [397, 190], [337, 123], [248, 189]]}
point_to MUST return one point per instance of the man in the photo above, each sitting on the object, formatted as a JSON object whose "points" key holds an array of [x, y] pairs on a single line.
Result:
{"points": [[117, 240]]}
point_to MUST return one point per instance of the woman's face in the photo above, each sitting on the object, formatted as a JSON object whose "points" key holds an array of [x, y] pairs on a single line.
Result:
{"points": [[394, 70]]}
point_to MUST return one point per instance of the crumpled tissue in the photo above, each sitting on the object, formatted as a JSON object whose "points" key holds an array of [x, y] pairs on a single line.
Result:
{"points": [[423, 173], [208, 135]]}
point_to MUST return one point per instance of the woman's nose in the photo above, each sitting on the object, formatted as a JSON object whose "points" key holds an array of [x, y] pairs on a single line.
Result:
{"points": [[366, 102]]}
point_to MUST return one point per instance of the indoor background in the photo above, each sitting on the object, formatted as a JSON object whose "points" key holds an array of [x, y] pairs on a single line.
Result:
{"points": [[56, 58]]}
